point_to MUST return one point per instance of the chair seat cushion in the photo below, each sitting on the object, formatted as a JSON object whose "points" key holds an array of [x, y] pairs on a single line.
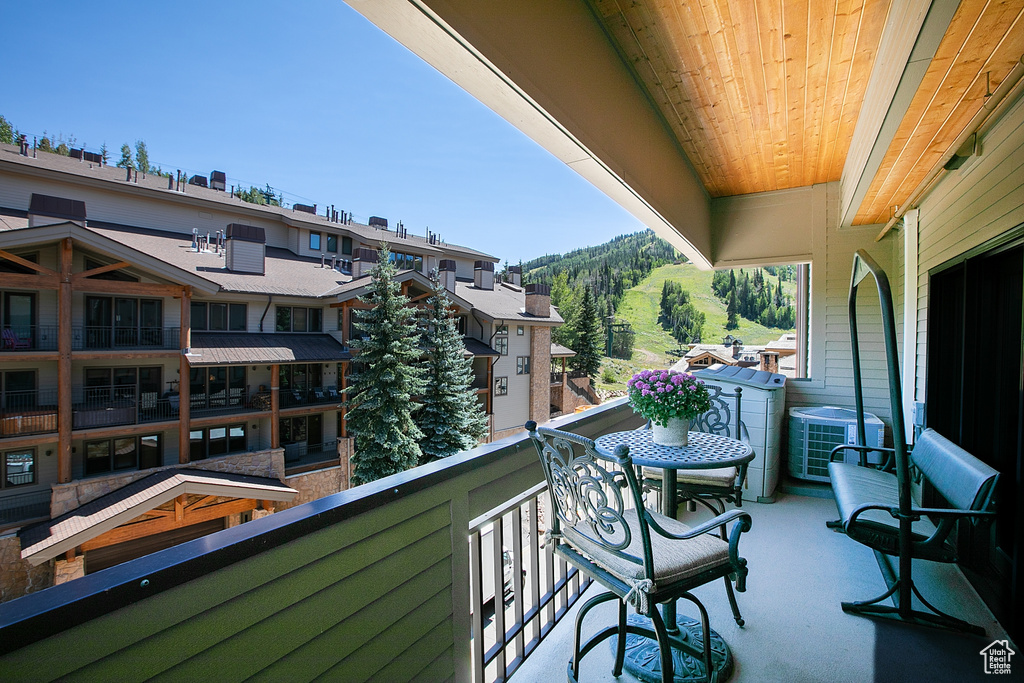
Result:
{"points": [[719, 476], [854, 486], [674, 560]]}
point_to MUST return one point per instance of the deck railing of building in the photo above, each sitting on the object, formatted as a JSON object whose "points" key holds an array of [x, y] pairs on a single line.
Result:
{"points": [[370, 582], [24, 506], [23, 413], [105, 337], [28, 338]]}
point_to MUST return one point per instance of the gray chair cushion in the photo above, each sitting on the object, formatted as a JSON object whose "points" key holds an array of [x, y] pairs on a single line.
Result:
{"points": [[854, 486], [958, 476], [719, 476], [673, 560]]}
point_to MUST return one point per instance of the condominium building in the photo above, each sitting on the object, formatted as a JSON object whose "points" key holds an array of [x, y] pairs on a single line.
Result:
{"points": [[173, 358]]}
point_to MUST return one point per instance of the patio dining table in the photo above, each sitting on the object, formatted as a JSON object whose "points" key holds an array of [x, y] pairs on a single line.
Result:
{"points": [[703, 451]]}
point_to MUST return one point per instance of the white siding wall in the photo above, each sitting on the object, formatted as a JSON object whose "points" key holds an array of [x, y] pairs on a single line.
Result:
{"points": [[512, 410], [968, 208], [168, 212], [831, 366]]}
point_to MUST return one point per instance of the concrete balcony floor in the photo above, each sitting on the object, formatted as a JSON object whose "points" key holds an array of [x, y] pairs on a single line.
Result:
{"points": [[795, 629]]}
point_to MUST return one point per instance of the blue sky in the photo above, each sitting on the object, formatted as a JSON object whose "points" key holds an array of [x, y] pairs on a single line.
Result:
{"points": [[308, 97]]}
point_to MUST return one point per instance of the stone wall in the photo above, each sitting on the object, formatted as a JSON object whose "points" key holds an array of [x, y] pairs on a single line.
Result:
{"points": [[314, 485], [65, 570], [66, 497], [540, 374], [17, 576]]}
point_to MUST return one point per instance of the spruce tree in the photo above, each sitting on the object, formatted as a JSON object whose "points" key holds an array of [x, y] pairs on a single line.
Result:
{"points": [[587, 331], [126, 157], [451, 418], [389, 375], [142, 157]]}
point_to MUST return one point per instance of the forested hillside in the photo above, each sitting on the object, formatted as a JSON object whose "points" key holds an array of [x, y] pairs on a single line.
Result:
{"points": [[609, 269]]}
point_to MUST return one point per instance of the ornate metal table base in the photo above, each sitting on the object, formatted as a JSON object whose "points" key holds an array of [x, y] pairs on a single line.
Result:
{"points": [[644, 661]]}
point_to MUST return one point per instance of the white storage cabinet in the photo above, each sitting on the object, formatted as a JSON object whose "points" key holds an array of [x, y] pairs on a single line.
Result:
{"points": [[764, 405]]}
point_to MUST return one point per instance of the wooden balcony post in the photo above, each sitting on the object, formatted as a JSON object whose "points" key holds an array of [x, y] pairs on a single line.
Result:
{"points": [[184, 388], [344, 397], [64, 416], [275, 406]]}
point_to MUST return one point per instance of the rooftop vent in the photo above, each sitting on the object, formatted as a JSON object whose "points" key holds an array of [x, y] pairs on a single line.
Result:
{"points": [[199, 180], [305, 208], [245, 248], [218, 180], [378, 222], [43, 207]]}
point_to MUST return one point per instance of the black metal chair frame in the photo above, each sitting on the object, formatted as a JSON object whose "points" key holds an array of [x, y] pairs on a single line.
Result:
{"points": [[900, 587], [723, 420], [588, 501]]}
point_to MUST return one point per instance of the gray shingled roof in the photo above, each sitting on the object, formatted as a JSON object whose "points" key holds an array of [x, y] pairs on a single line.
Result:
{"points": [[48, 540], [502, 303], [285, 273], [260, 349], [559, 351], [157, 186]]}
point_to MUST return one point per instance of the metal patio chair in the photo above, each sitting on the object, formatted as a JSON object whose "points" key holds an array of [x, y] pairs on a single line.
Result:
{"points": [[712, 488], [601, 526]]}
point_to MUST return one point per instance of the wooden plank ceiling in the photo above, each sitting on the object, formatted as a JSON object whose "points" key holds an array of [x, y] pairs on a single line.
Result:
{"points": [[764, 94], [761, 94], [983, 43]]}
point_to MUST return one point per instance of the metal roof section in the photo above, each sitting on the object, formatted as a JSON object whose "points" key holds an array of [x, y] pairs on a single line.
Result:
{"points": [[559, 351], [214, 348], [48, 540], [475, 347]]}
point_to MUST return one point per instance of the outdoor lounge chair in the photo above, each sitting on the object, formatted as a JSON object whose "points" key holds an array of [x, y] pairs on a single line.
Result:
{"points": [[12, 342], [640, 556]]}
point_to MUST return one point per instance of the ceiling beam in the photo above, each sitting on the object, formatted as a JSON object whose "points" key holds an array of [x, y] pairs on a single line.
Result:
{"points": [[909, 42], [548, 68]]}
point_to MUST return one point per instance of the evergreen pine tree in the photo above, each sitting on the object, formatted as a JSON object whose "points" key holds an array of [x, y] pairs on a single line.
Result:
{"points": [[142, 157], [6, 132], [451, 419], [731, 322], [389, 375], [103, 153], [587, 331], [126, 157]]}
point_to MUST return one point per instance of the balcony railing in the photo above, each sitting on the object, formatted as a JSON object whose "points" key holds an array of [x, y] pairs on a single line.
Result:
{"points": [[28, 412], [556, 378], [21, 507], [371, 582], [291, 397], [44, 338], [303, 454], [28, 338], [90, 338], [226, 402]]}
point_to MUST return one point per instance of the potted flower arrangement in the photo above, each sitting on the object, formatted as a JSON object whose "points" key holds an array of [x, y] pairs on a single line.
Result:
{"points": [[670, 400]]}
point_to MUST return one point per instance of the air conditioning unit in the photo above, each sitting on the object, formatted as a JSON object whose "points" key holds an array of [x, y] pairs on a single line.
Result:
{"points": [[814, 432]]}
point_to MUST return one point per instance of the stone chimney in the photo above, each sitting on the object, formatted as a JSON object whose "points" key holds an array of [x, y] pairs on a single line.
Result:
{"points": [[736, 347], [363, 261], [245, 248], [483, 275], [538, 300], [515, 275], [446, 271]]}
